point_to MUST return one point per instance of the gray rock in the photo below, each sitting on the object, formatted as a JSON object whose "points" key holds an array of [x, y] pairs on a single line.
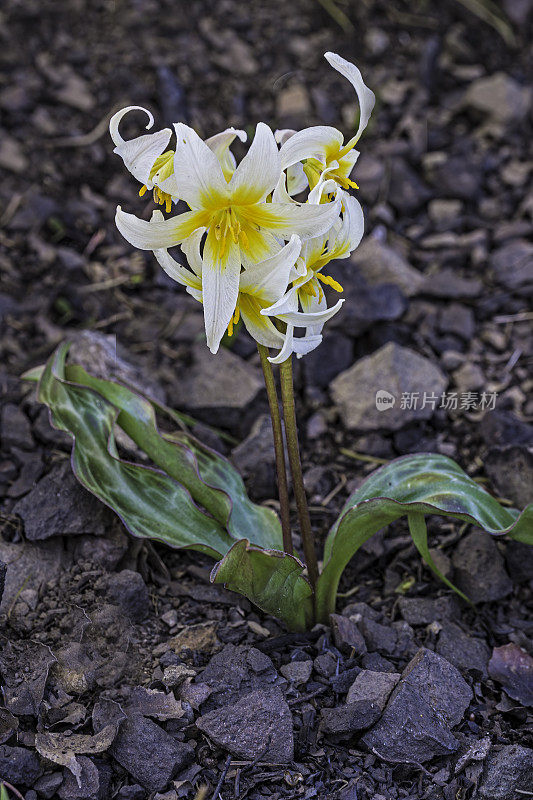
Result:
{"points": [[468, 378], [377, 663], [59, 505], [346, 634], [219, 389], [19, 766], [341, 683], [30, 566], [425, 610], [510, 469], [128, 591], [235, 671], [512, 263], [134, 792], [334, 355], [427, 703], [97, 354], [479, 568], [47, 786], [3, 571], [349, 718], [378, 637], [150, 754], [499, 97], [364, 306], [392, 369], [373, 686], [406, 191], [326, 664], [105, 551], [379, 263], [256, 461], [458, 320], [297, 672], [258, 723], [464, 652], [95, 780], [15, 428], [507, 772], [512, 666], [519, 560], [446, 283]]}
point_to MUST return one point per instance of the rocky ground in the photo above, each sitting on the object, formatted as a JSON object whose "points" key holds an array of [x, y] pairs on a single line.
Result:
{"points": [[125, 673]]}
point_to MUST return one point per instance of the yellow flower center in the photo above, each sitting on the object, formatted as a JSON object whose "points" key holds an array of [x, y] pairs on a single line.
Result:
{"points": [[162, 168], [227, 225]]}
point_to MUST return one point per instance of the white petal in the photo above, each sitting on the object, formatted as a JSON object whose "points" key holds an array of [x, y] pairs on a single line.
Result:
{"points": [[220, 144], [285, 305], [155, 235], [365, 95], [282, 134], [353, 226], [311, 304], [220, 288], [176, 271], [306, 220], [303, 319], [200, 177], [302, 345], [324, 186], [191, 249], [139, 154], [259, 171], [286, 350], [315, 142], [261, 329], [268, 280], [296, 179]]}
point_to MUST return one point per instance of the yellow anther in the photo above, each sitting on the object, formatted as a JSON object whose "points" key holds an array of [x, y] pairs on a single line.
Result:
{"points": [[237, 315], [143, 190], [329, 281], [168, 203], [230, 327]]}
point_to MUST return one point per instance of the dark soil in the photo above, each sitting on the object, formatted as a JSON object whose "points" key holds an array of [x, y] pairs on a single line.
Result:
{"points": [[125, 673]]}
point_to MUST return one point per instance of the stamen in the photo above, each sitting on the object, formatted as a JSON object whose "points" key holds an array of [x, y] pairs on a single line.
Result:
{"points": [[143, 190], [329, 281]]}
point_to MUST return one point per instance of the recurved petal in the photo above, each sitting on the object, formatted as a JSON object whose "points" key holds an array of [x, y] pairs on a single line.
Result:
{"points": [[268, 280], [220, 287], [304, 319], [292, 344], [201, 181], [365, 95], [159, 233], [220, 144], [353, 225], [318, 142], [258, 173], [139, 154]]}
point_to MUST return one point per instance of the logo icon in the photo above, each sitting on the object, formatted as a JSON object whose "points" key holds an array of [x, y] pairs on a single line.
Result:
{"points": [[384, 400]]}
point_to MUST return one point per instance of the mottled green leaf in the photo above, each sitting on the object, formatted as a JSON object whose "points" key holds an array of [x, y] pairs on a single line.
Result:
{"points": [[421, 484], [150, 503], [271, 579]]}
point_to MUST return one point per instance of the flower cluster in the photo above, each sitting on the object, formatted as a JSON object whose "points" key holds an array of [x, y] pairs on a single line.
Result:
{"points": [[256, 237]]}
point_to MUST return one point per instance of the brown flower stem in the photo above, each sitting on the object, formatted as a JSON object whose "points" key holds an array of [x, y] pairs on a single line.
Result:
{"points": [[293, 448], [281, 469]]}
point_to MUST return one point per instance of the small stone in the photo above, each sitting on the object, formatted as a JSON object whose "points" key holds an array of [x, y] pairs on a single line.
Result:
{"points": [[429, 700], [365, 305], [208, 388], [149, 754], [236, 670], [293, 105], [349, 718], [425, 610], [19, 766], [325, 664], [479, 569], [334, 355], [198, 638], [447, 284], [519, 560], [378, 637], [379, 263], [444, 212], [129, 592], [464, 652], [59, 505], [255, 459], [441, 560], [511, 666], [388, 373], [15, 429], [458, 320], [499, 97], [297, 672], [259, 724], [507, 773], [373, 686], [347, 634], [510, 470], [47, 786], [12, 156], [406, 191], [512, 263], [30, 565], [93, 784], [468, 378]]}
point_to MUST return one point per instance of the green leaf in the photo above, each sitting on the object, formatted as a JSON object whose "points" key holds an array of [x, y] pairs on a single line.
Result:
{"points": [[419, 535], [150, 503], [212, 481], [34, 376], [271, 579], [420, 484]]}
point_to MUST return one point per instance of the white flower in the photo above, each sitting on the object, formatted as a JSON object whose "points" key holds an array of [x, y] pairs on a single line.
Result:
{"points": [[322, 147], [241, 227], [149, 160]]}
